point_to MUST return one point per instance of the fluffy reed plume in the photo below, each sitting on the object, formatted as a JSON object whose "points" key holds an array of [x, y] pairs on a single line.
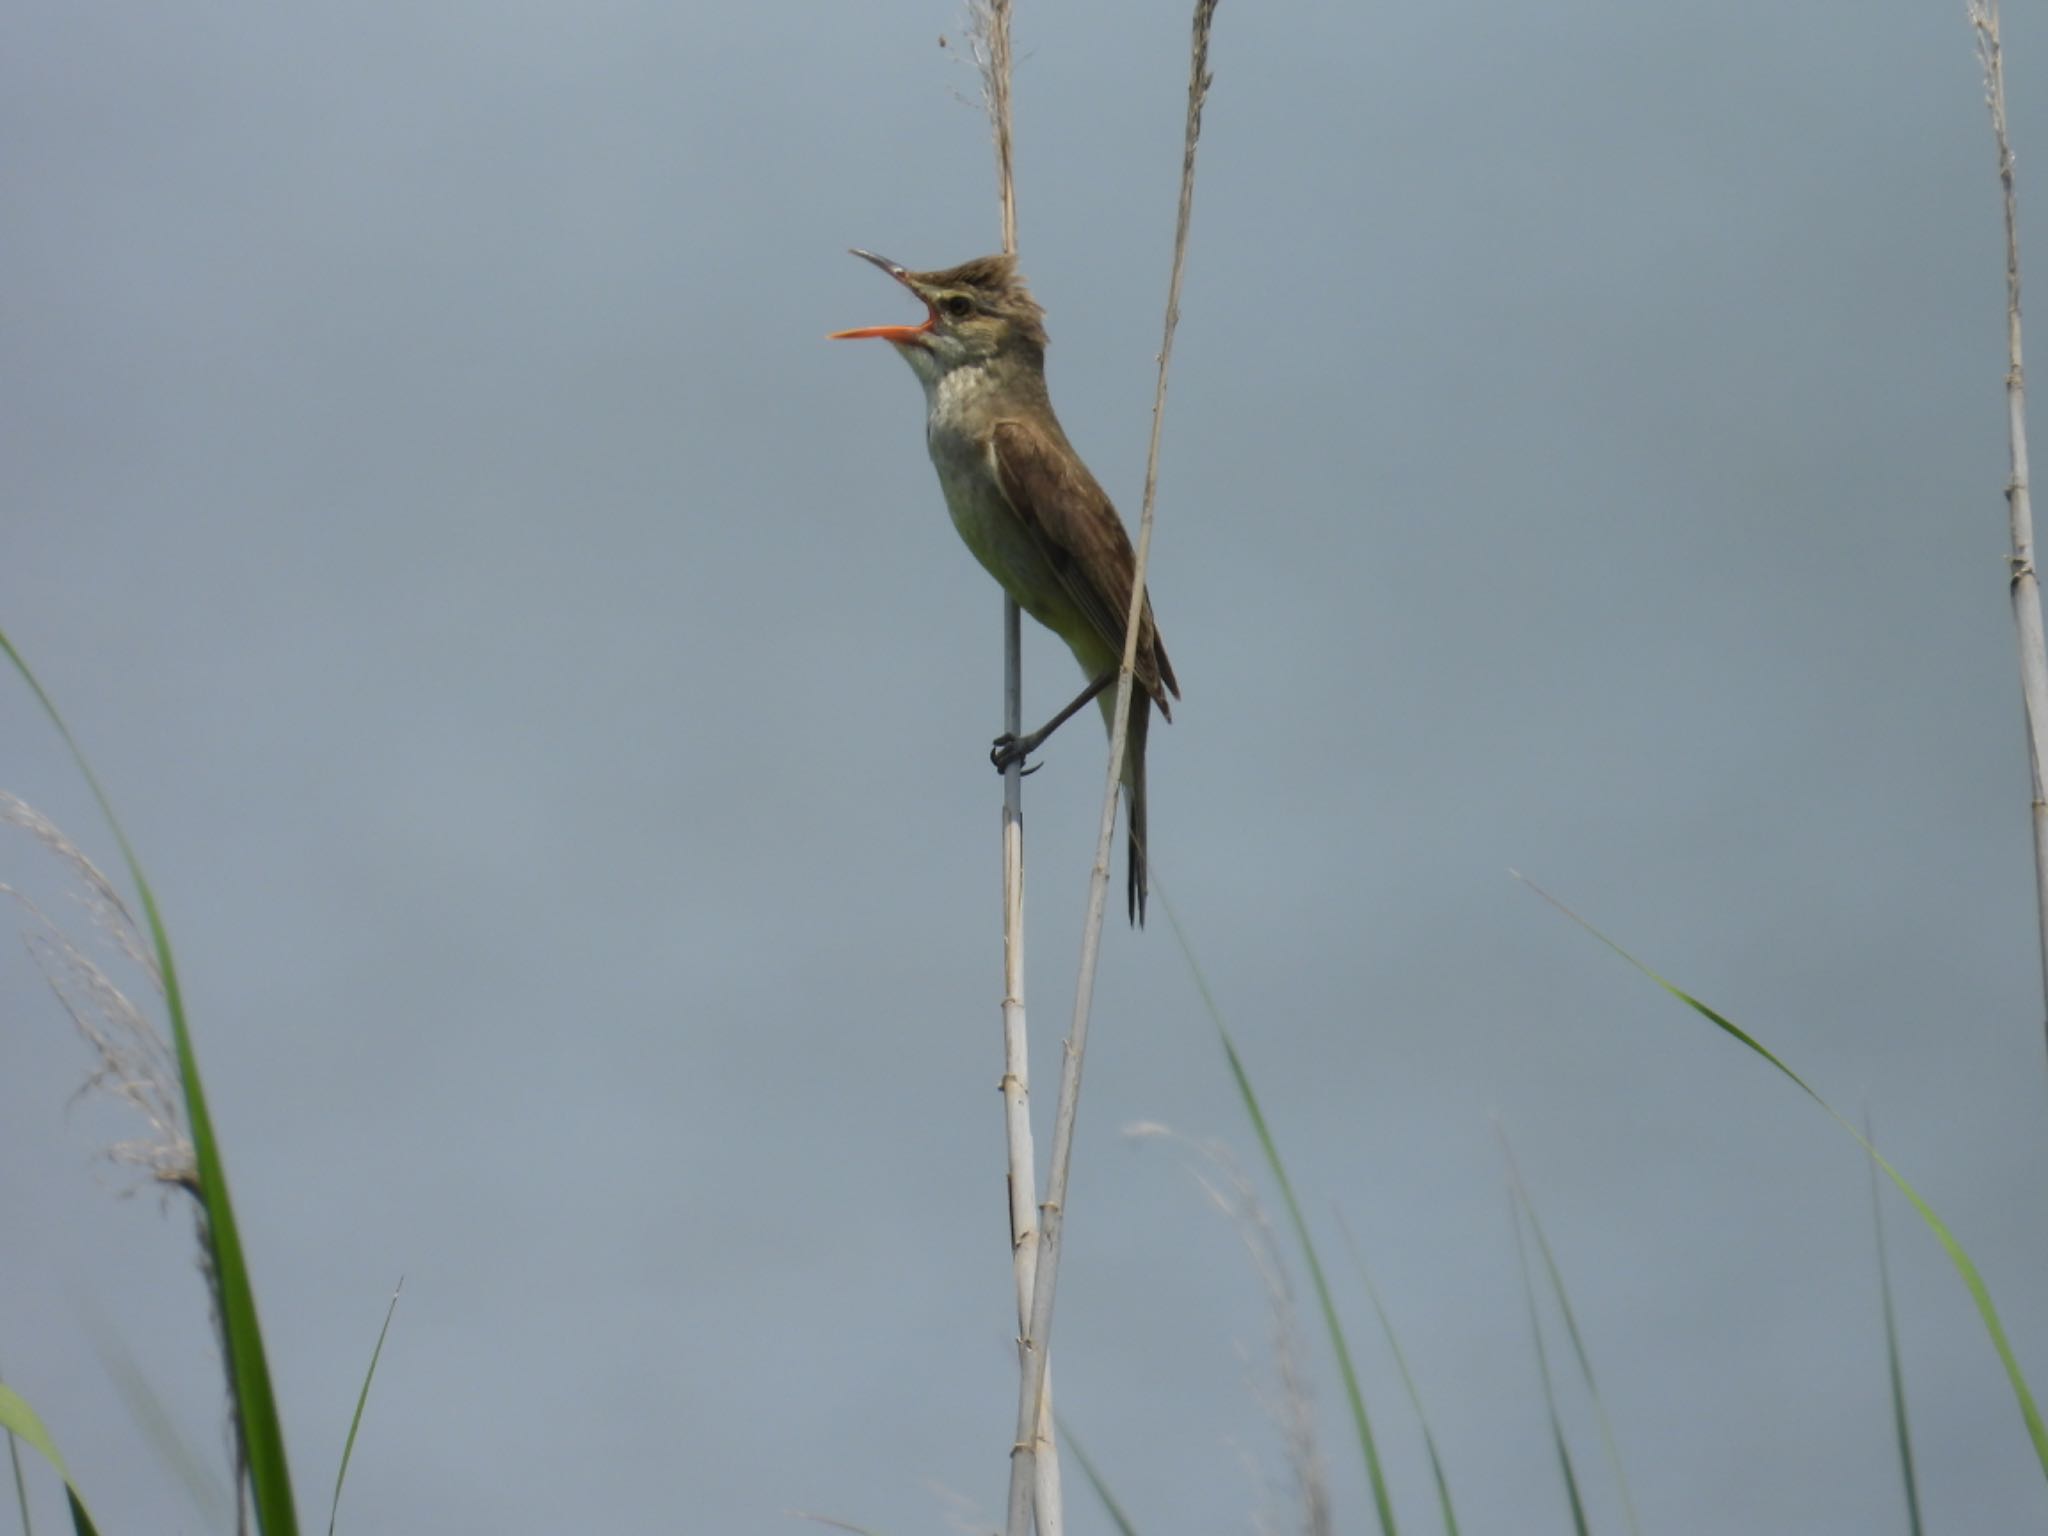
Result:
{"points": [[131, 1060], [988, 40]]}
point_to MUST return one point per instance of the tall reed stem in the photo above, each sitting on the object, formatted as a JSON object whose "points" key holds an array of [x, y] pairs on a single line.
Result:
{"points": [[989, 23], [2026, 591], [1032, 1399]]}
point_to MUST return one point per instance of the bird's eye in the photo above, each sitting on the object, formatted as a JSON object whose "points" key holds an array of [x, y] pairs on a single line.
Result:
{"points": [[958, 305]]}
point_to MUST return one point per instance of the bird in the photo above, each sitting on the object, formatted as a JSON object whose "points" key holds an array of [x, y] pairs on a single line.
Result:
{"points": [[1026, 505]]}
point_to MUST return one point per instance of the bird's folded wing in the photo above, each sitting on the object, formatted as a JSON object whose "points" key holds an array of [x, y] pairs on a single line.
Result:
{"points": [[1076, 526]]}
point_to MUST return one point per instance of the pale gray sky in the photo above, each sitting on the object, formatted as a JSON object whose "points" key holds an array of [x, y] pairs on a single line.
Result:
{"points": [[539, 673]]}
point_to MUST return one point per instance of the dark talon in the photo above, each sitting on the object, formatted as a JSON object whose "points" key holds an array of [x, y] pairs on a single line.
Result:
{"points": [[1010, 749]]}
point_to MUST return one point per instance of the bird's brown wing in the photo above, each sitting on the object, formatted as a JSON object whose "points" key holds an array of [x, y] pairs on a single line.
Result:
{"points": [[1076, 527]]}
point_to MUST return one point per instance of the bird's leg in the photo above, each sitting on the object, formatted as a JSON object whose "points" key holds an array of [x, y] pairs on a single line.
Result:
{"points": [[1013, 749]]}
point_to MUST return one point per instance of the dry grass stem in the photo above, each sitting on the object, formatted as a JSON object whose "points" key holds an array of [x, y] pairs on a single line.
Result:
{"points": [[2026, 593], [988, 33], [1038, 1337], [988, 36]]}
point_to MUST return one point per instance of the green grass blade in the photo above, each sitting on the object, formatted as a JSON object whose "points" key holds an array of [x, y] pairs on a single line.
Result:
{"points": [[1900, 1428], [1093, 1473], [1571, 1326], [21, 1423], [837, 1525], [1980, 1293], [355, 1423], [20, 1483], [20, 1487], [1571, 1481], [1436, 1461], [156, 1421], [1564, 1454], [1361, 1422], [255, 1404]]}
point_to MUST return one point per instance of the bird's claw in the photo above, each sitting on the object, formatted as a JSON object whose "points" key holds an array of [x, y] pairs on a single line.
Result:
{"points": [[1007, 750]]}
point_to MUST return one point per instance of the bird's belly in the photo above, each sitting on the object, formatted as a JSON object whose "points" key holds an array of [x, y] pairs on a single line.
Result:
{"points": [[1007, 551]]}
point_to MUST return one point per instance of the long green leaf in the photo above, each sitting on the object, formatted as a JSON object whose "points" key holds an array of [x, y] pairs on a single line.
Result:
{"points": [[837, 1525], [156, 1421], [1096, 1480], [20, 1485], [1571, 1325], [20, 1421], [1361, 1421], [1980, 1293], [1901, 1430], [1564, 1454], [255, 1404], [1379, 1306]]}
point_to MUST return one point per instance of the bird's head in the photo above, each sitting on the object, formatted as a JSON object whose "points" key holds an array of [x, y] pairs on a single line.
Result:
{"points": [[974, 313]]}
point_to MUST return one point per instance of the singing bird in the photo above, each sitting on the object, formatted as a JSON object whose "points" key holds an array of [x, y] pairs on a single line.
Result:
{"points": [[1025, 503]]}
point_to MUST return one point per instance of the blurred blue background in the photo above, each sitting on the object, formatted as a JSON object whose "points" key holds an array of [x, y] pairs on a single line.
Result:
{"points": [[540, 676]]}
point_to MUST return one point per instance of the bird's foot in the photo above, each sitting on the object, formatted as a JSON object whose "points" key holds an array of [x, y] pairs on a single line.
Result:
{"points": [[1010, 749]]}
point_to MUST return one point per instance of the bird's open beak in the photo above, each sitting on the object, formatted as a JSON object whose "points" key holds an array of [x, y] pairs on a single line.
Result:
{"points": [[902, 335]]}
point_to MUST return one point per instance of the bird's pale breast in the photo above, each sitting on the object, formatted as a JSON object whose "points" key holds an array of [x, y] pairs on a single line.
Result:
{"points": [[957, 434]]}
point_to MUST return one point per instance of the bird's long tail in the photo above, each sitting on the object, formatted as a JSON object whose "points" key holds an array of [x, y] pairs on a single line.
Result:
{"points": [[1136, 884]]}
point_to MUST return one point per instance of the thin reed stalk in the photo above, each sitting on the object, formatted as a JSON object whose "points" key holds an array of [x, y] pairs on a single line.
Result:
{"points": [[2026, 591], [1032, 1399], [989, 31]]}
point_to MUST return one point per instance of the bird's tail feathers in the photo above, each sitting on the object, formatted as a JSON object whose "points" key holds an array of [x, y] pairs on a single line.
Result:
{"points": [[1136, 885]]}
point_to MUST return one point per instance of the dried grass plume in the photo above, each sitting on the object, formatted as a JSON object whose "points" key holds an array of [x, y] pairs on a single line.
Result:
{"points": [[131, 1061]]}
